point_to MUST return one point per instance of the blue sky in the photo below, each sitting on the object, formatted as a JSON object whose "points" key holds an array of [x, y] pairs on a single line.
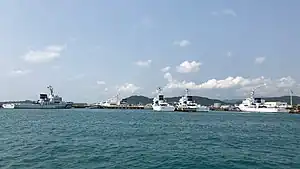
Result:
{"points": [[90, 50]]}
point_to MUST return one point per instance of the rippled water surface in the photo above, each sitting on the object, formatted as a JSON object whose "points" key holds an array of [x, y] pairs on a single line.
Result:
{"points": [[33, 139]]}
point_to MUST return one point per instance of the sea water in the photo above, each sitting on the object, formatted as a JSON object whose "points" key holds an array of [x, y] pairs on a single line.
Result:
{"points": [[86, 138]]}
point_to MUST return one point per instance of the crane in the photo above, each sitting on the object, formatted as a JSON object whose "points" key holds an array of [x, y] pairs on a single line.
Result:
{"points": [[255, 88]]}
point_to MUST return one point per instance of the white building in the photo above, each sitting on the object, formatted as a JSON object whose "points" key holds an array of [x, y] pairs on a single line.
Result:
{"points": [[276, 104], [217, 105]]}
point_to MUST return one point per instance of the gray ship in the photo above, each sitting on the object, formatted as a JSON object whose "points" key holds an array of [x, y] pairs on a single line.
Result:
{"points": [[46, 101]]}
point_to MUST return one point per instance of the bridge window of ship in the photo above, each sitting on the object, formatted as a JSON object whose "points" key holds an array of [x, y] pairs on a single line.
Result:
{"points": [[161, 97]]}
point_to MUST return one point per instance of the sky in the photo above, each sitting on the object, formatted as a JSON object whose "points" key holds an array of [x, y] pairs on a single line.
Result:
{"points": [[91, 50]]}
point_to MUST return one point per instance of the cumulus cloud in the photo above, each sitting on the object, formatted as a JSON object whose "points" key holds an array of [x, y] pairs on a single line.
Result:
{"points": [[128, 87], [165, 69], [144, 63], [260, 60], [238, 83], [48, 54], [168, 76], [188, 67], [182, 43], [229, 54], [19, 72], [224, 12], [99, 82]]}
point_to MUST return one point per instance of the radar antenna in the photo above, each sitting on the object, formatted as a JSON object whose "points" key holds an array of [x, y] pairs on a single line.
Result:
{"points": [[186, 91], [159, 90]]}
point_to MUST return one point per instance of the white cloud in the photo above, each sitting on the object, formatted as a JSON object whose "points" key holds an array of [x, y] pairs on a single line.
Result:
{"points": [[239, 84], [182, 43], [229, 12], [19, 72], [286, 82], [229, 54], [165, 69], [188, 67], [144, 63], [99, 82], [225, 12], [260, 60], [46, 55], [128, 87], [168, 76], [106, 89]]}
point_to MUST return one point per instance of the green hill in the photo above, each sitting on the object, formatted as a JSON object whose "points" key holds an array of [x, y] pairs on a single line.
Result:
{"points": [[137, 100], [296, 99], [206, 101], [146, 100], [200, 100]]}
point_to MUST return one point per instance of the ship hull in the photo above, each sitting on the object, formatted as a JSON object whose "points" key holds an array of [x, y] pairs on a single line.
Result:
{"points": [[40, 106], [117, 107], [192, 109], [186, 108], [163, 108], [264, 110]]}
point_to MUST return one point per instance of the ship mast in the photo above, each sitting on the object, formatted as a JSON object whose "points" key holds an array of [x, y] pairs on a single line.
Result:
{"points": [[186, 92], [159, 90], [254, 89], [51, 90]]}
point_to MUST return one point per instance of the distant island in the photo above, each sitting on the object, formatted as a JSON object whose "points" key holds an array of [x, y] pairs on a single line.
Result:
{"points": [[146, 100], [206, 101]]}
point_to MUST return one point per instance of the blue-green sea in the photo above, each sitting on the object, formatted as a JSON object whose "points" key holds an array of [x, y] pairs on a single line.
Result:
{"points": [[89, 138]]}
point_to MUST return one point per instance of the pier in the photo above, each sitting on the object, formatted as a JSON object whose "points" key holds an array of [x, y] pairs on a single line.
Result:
{"points": [[295, 109], [118, 107], [185, 109]]}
